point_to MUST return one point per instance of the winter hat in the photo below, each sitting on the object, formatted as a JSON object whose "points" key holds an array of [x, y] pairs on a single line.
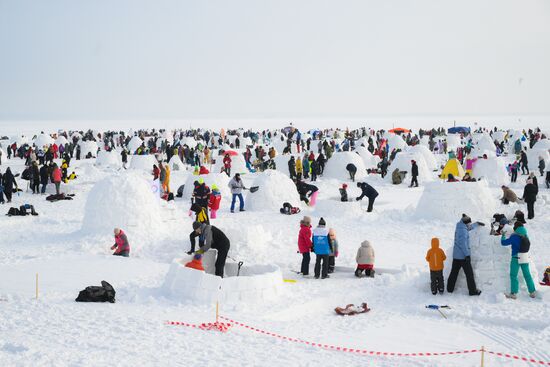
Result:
{"points": [[196, 225], [214, 187], [466, 219], [322, 222], [201, 180], [358, 184], [344, 186], [435, 242]]}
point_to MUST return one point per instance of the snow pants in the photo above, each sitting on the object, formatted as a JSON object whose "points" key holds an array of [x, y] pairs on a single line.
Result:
{"points": [[371, 204], [530, 209], [514, 270], [414, 181], [304, 269], [468, 271], [321, 269], [331, 263], [437, 281]]}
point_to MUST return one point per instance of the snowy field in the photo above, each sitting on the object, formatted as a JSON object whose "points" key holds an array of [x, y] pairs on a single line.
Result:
{"points": [[68, 255]]}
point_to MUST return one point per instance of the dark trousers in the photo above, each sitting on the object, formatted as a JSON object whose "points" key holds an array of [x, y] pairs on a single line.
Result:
{"points": [[514, 175], [352, 176], [414, 181], [321, 269], [223, 249], [306, 257], [44, 184], [524, 168], [437, 281], [8, 193], [371, 203], [123, 253], [35, 187], [468, 271], [331, 263], [530, 209]]}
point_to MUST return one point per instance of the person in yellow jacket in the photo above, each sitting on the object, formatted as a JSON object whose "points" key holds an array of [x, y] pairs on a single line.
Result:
{"points": [[166, 182], [299, 168], [436, 258]]}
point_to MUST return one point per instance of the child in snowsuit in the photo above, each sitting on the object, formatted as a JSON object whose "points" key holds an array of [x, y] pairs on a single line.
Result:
{"points": [[321, 248], [214, 201], [344, 192], [436, 258], [333, 243], [365, 260]]}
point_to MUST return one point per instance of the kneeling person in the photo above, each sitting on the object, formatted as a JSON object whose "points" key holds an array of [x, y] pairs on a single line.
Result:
{"points": [[211, 237]]}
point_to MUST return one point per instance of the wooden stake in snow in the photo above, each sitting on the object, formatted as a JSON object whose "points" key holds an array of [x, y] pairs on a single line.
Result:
{"points": [[482, 356]]}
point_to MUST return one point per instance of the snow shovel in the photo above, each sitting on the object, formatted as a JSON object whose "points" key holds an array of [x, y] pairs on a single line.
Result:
{"points": [[438, 308], [253, 189], [239, 265]]}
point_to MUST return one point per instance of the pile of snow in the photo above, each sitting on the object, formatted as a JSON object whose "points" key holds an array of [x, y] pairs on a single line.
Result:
{"points": [[176, 164], [127, 202], [336, 166], [87, 147], [255, 283], [143, 162], [43, 140], [369, 160], [19, 140], [429, 157], [491, 264], [543, 144], [448, 200], [109, 159], [134, 144], [493, 170], [402, 161], [219, 179], [238, 164], [396, 142], [484, 144], [274, 189]]}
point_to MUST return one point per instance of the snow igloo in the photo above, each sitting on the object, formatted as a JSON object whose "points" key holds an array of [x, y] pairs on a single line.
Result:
{"points": [[447, 201], [252, 283], [369, 160], [491, 264], [402, 161], [125, 201], [109, 159], [238, 164], [336, 166], [493, 170], [219, 179], [275, 188], [143, 162]]}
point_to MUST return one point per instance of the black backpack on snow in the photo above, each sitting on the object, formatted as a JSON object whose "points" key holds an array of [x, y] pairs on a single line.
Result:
{"points": [[524, 245], [105, 293]]}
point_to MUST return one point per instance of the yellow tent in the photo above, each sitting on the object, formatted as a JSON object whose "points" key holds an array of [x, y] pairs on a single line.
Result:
{"points": [[453, 167]]}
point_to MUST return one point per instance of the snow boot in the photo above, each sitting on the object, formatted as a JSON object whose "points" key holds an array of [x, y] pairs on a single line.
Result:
{"points": [[533, 294], [511, 295], [358, 272], [476, 293]]}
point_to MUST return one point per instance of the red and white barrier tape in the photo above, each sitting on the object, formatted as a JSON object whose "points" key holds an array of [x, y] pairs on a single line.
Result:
{"points": [[351, 350]]}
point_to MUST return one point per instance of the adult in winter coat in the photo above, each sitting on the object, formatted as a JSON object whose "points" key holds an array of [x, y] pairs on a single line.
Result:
{"points": [[299, 168], [396, 177], [523, 161], [530, 196], [365, 260], [315, 170], [321, 160], [436, 258], [9, 183], [321, 247], [292, 168], [44, 178], [515, 241], [237, 186], [56, 178], [214, 201], [121, 246], [211, 237], [352, 170], [166, 182], [333, 243], [304, 244], [35, 178], [414, 174], [461, 255], [306, 167], [508, 196], [156, 172], [368, 191], [305, 190], [2, 201], [201, 193], [227, 165], [542, 166]]}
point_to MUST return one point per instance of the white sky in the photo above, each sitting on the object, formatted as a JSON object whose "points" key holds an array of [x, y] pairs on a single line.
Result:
{"points": [[176, 59]]}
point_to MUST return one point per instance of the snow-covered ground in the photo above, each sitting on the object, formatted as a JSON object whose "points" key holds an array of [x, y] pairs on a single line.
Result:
{"points": [[53, 330]]}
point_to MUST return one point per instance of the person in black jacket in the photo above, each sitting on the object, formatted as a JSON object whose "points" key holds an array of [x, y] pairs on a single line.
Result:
{"points": [[8, 181], [414, 174], [211, 237], [44, 177], [305, 190], [35, 178], [368, 191], [530, 196], [523, 161], [292, 168], [201, 194], [352, 170], [1, 189], [321, 160]]}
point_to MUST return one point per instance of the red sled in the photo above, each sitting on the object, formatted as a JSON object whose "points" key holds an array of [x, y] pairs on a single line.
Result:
{"points": [[351, 309]]}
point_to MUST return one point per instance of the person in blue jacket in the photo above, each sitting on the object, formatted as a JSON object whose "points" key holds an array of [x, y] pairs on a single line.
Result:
{"points": [[321, 247], [516, 263], [461, 255]]}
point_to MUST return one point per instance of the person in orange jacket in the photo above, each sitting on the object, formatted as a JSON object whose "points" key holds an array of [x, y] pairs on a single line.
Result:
{"points": [[436, 258]]}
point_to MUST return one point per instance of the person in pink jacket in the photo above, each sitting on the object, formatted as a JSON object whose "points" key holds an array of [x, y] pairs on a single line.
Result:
{"points": [[470, 162], [305, 244], [56, 178], [121, 246]]}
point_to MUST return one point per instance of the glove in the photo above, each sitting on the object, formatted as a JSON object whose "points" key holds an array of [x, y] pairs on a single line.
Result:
{"points": [[200, 252], [481, 224], [357, 198]]}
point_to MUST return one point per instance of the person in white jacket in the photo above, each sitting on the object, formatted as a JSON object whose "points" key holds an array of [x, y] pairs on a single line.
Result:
{"points": [[365, 260], [236, 185]]}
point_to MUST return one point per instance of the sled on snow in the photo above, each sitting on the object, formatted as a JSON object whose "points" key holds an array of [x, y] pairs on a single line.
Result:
{"points": [[352, 309]]}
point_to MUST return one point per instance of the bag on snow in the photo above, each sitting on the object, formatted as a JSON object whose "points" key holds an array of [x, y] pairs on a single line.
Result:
{"points": [[13, 211], [288, 209], [105, 293]]}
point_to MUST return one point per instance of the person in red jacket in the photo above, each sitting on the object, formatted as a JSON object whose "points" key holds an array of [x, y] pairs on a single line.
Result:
{"points": [[156, 172], [305, 244], [56, 178], [121, 246], [227, 165], [214, 201]]}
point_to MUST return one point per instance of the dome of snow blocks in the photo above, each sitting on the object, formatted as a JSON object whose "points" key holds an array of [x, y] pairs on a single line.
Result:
{"points": [[448, 200], [109, 159], [336, 166], [253, 284], [143, 162], [275, 189]]}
